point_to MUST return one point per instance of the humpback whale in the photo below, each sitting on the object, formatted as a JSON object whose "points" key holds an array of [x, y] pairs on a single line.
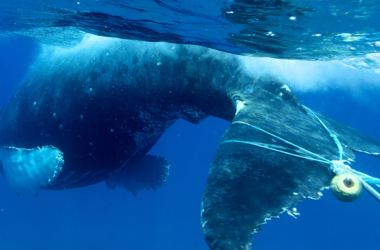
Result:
{"points": [[91, 113]]}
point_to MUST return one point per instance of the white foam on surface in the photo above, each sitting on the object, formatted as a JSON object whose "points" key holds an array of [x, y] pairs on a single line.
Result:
{"points": [[306, 76]]}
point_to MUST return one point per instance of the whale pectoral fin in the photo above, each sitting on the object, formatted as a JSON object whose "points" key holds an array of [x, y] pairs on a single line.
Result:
{"points": [[149, 172], [27, 170], [353, 139]]}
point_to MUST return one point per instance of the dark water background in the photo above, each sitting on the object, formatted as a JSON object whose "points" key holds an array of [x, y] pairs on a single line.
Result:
{"points": [[97, 218]]}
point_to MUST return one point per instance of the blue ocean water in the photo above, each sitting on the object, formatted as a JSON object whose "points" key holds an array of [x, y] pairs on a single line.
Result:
{"points": [[168, 218]]}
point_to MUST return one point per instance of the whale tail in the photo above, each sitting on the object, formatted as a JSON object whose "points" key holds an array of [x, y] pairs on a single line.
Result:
{"points": [[274, 155], [353, 139], [27, 170]]}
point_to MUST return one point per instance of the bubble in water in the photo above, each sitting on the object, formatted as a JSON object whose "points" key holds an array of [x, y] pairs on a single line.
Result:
{"points": [[348, 37]]}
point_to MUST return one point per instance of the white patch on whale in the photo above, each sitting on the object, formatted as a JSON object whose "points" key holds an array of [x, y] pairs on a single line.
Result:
{"points": [[27, 170]]}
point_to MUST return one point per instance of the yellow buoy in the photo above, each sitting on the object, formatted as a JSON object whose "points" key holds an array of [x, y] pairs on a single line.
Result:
{"points": [[346, 187]]}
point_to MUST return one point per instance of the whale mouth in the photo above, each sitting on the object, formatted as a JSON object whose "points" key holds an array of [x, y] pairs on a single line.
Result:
{"points": [[28, 170]]}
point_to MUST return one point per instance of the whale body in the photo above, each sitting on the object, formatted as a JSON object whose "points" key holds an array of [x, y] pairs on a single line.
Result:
{"points": [[91, 113]]}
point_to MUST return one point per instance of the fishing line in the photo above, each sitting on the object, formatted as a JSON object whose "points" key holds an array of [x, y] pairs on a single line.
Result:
{"points": [[337, 166]]}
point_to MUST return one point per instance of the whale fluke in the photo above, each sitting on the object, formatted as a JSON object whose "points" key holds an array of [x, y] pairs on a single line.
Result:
{"points": [[274, 155]]}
